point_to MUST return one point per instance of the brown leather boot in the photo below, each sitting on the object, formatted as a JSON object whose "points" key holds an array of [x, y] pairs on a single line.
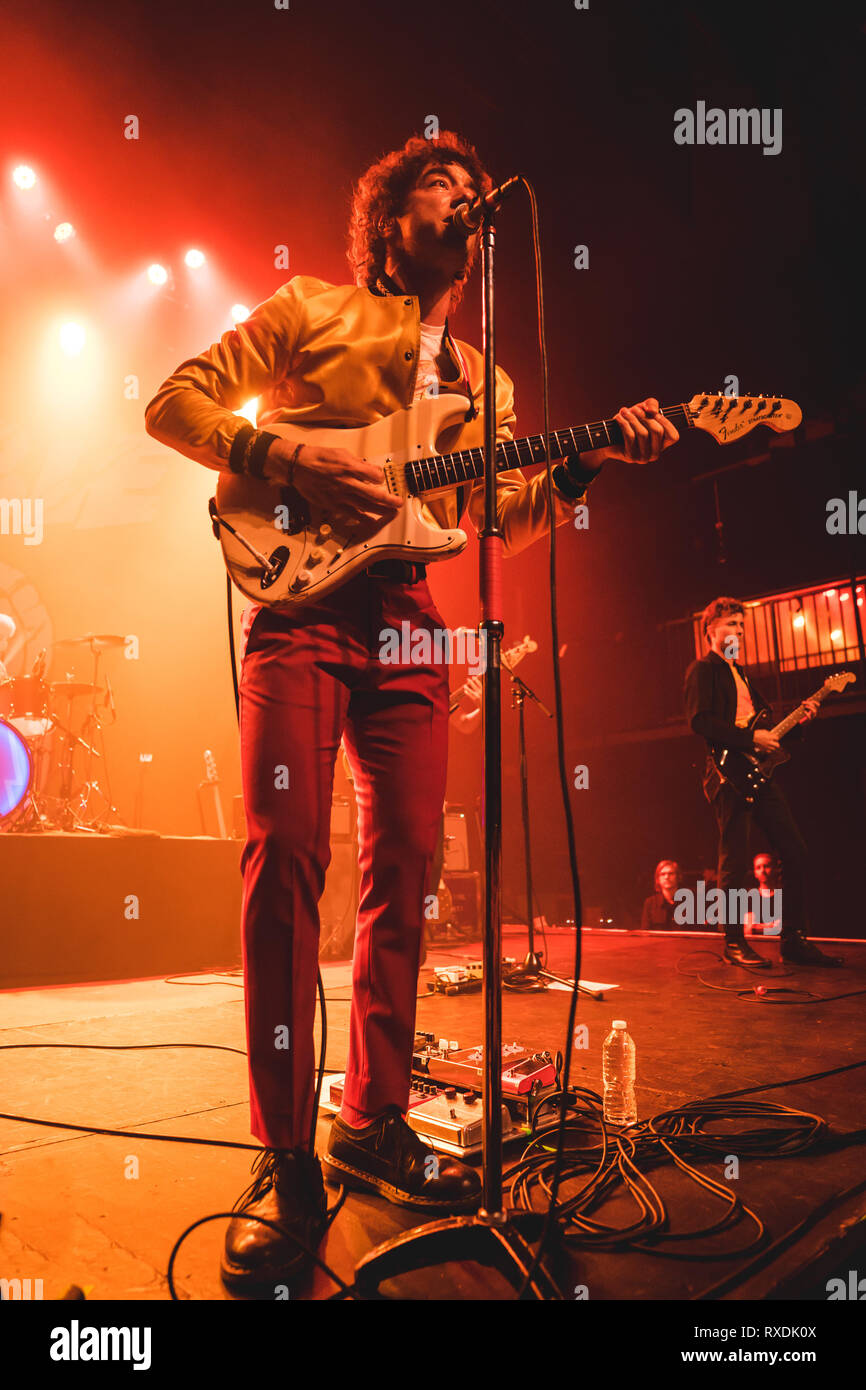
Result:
{"points": [[287, 1189]]}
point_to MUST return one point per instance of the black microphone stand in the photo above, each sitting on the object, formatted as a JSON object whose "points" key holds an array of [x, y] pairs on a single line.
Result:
{"points": [[492, 1236], [533, 966]]}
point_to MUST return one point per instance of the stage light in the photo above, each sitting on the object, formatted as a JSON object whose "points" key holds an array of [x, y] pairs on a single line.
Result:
{"points": [[844, 597], [157, 274], [836, 635], [72, 337], [248, 410], [798, 620], [194, 259], [64, 231], [24, 176], [829, 593], [239, 312]]}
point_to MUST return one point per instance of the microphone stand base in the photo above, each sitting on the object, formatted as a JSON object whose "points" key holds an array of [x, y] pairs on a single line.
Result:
{"points": [[500, 1241]]}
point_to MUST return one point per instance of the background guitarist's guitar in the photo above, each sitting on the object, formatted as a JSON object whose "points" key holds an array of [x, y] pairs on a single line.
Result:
{"points": [[747, 773], [510, 659], [282, 550]]}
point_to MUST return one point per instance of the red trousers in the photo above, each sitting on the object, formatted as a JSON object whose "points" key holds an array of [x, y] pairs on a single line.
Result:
{"points": [[309, 676]]}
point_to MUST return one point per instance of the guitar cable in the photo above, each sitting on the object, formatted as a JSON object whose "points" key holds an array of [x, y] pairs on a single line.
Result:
{"points": [[763, 993], [559, 1161]]}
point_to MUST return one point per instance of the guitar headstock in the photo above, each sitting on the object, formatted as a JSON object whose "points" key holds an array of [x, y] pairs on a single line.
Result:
{"points": [[838, 682], [518, 652], [731, 417]]}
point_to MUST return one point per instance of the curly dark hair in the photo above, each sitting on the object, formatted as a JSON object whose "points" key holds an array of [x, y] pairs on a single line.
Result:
{"points": [[381, 193], [719, 608]]}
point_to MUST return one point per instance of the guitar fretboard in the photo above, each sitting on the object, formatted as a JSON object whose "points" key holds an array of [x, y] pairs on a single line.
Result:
{"points": [[796, 715], [450, 470]]}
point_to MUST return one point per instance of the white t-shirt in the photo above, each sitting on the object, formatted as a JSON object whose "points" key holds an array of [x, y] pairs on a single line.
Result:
{"points": [[431, 346]]}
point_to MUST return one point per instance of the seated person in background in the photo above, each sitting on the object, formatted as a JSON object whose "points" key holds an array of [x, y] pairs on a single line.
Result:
{"points": [[767, 870], [658, 910]]}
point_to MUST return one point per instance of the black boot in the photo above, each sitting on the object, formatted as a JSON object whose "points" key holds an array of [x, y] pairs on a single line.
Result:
{"points": [[739, 952], [288, 1190], [388, 1157], [799, 951]]}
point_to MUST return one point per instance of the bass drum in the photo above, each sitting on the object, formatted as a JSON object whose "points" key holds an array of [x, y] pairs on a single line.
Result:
{"points": [[16, 774]]}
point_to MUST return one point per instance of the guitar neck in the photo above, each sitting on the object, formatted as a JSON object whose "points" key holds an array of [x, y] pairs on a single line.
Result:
{"points": [[796, 715], [450, 470]]}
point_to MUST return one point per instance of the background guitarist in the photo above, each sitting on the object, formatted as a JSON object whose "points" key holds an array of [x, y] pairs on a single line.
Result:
{"points": [[347, 355], [720, 702]]}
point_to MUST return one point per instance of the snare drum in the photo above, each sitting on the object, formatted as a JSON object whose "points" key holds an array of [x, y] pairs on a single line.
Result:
{"points": [[24, 702], [16, 773]]}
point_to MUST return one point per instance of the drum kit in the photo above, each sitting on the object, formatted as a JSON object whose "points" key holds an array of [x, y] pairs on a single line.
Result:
{"points": [[48, 746]]}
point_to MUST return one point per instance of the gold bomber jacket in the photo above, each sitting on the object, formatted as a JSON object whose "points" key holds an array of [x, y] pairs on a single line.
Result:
{"points": [[340, 355]]}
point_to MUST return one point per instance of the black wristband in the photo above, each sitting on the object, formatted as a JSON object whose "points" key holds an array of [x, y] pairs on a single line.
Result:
{"points": [[565, 485], [239, 446], [581, 473], [258, 453]]}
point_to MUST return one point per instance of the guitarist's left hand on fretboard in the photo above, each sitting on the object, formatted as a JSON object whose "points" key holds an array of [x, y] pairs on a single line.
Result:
{"points": [[646, 433]]}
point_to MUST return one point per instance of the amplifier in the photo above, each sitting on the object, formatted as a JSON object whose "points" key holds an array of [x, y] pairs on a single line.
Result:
{"points": [[342, 818], [465, 890], [456, 842]]}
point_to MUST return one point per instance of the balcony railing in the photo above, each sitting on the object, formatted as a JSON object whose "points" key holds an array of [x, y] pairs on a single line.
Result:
{"points": [[788, 637]]}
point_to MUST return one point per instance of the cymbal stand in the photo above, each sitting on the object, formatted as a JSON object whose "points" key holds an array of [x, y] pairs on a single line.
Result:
{"points": [[94, 727]]}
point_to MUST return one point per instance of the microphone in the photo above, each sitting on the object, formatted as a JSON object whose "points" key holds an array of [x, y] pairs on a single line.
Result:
{"points": [[469, 216]]}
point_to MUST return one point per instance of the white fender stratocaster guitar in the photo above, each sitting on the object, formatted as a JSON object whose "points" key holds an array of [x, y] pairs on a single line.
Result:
{"points": [[281, 550]]}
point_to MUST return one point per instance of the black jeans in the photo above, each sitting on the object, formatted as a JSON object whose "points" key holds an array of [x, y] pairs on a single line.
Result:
{"points": [[771, 812]]}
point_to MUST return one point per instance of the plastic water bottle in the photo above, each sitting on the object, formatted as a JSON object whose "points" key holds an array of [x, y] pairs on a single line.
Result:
{"points": [[618, 1071]]}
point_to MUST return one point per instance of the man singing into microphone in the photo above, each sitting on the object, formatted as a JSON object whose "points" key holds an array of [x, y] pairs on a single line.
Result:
{"points": [[330, 355]]}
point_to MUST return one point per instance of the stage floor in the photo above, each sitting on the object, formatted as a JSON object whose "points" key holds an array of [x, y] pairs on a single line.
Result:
{"points": [[103, 1212]]}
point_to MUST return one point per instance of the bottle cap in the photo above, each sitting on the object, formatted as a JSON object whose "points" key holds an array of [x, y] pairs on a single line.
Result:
{"points": [[619, 1023]]}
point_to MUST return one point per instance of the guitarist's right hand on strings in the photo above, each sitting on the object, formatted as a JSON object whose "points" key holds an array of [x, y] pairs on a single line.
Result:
{"points": [[765, 742], [334, 480]]}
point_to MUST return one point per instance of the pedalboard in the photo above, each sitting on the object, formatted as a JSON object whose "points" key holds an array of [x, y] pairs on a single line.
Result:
{"points": [[455, 1123], [524, 1072], [462, 979], [445, 1105], [332, 1094]]}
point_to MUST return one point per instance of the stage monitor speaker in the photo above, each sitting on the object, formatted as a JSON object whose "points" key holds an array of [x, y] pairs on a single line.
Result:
{"points": [[465, 889], [456, 842]]}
